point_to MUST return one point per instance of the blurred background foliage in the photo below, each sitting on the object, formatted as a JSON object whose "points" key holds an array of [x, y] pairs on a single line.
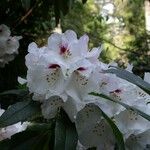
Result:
{"points": [[121, 32]]}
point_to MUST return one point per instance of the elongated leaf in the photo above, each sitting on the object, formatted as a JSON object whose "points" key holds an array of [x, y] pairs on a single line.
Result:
{"points": [[20, 92], [124, 74], [60, 135], [144, 115], [71, 138], [20, 111], [65, 133], [118, 135]]}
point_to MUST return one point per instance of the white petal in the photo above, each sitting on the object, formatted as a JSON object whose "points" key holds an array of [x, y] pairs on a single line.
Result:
{"points": [[45, 81], [72, 107], [93, 131], [32, 48], [94, 53], [5, 31], [13, 129], [83, 42], [130, 122], [147, 77], [139, 142], [70, 36], [54, 42], [21, 80], [80, 86], [129, 67], [51, 106]]}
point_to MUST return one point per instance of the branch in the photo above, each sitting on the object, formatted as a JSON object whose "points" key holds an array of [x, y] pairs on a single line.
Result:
{"points": [[122, 49]]}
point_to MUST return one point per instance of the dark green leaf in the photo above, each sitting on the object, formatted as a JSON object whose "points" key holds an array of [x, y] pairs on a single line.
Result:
{"points": [[123, 104], [71, 137], [65, 133], [60, 135], [20, 92], [20, 111], [124, 74]]}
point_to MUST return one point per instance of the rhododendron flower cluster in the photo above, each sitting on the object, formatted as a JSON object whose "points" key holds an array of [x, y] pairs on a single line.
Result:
{"points": [[64, 72], [8, 45]]}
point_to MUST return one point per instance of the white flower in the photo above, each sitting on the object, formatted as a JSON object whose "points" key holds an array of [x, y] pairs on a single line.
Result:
{"points": [[4, 31], [46, 79], [65, 46], [129, 122], [8, 131], [51, 107], [8, 45], [69, 50], [34, 55], [83, 81], [52, 69], [122, 91], [60, 43], [93, 54], [139, 141], [93, 130]]}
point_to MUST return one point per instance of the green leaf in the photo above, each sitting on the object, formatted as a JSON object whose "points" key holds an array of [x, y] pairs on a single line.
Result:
{"points": [[144, 115], [71, 137], [20, 92], [20, 111], [31, 139], [65, 133], [116, 131], [124, 74], [60, 135]]}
